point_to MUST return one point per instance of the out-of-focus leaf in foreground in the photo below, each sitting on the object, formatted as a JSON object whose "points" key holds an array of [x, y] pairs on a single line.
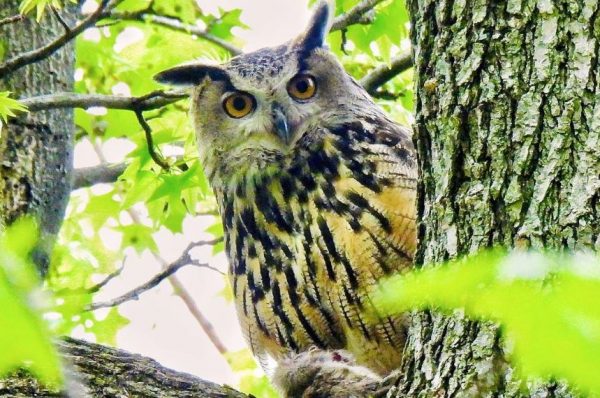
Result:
{"points": [[40, 6], [9, 106], [546, 304], [24, 338]]}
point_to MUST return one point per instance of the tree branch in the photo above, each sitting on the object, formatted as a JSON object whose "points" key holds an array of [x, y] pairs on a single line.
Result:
{"points": [[158, 159], [183, 260], [29, 57], [105, 173], [11, 19], [354, 15], [383, 73], [175, 24], [103, 371], [153, 100]]}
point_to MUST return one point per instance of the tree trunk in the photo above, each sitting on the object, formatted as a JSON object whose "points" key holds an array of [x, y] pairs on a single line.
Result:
{"points": [[36, 150], [508, 134]]}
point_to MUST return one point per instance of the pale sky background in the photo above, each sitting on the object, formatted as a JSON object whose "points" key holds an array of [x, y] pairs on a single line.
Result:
{"points": [[161, 326]]}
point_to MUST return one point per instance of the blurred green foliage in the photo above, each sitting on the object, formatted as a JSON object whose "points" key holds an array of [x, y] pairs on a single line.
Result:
{"points": [[546, 304], [40, 6], [24, 337], [8, 107]]}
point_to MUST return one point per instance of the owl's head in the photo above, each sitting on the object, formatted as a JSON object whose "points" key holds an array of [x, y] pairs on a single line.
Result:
{"points": [[258, 106]]}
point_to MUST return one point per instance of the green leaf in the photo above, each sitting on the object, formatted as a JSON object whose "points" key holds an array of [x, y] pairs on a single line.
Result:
{"points": [[257, 386], [24, 337], [217, 230], [547, 305], [106, 329], [40, 6], [222, 26], [138, 236], [241, 360], [101, 208], [9, 106]]}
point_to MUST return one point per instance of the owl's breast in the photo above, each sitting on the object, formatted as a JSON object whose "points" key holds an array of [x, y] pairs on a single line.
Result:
{"points": [[307, 239]]}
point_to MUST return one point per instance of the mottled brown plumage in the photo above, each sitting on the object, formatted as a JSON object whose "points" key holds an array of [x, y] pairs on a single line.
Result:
{"points": [[317, 197]]}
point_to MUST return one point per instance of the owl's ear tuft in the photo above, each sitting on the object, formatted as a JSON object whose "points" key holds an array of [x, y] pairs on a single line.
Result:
{"points": [[190, 74], [320, 23]]}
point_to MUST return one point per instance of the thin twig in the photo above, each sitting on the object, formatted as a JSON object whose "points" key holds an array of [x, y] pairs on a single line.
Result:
{"points": [[94, 288], [175, 24], [60, 19], [384, 73], [29, 57], [153, 100], [11, 19], [109, 278], [354, 15], [150, 141], [182, 261]]}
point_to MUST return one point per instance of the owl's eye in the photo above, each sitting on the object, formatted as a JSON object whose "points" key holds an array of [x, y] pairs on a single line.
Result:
{"points": [[302, 87], [238, 104]]}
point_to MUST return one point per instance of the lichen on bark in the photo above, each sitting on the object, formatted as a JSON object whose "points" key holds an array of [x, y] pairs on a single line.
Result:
{"points": [[507, 134], [36, 149]]}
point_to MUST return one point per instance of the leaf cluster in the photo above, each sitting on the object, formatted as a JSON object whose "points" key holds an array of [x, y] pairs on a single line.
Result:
{"points": [[545, 303]]}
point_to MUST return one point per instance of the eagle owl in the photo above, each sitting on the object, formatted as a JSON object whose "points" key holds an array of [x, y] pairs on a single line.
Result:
{"points": [[316, 190]]}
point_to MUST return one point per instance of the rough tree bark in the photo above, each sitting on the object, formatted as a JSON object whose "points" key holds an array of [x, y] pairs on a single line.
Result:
{"points": [[36, 150], [109, 373], [508, 133]]}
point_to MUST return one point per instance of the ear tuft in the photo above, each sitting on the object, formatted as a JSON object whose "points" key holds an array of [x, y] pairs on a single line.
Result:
{"points": [[190, 74], [320, 23]]}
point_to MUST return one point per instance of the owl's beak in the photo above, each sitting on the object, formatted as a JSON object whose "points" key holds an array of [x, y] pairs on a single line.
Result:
{"points": [[282, 126]]}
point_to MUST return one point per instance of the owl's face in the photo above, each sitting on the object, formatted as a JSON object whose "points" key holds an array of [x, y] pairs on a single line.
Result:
{"points": [[258, 106]]}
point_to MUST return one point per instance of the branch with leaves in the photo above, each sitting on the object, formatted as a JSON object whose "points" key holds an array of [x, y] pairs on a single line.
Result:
{"points": [[386, 72], [154, 100], [38, 54], [175, 24], [354, 15]]}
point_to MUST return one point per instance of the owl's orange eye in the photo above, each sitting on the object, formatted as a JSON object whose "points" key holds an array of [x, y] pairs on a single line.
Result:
{"points": [[238, 104], [302, 87]]}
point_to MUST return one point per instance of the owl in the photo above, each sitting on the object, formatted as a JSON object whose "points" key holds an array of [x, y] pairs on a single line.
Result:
{"points": [[316, 191]]}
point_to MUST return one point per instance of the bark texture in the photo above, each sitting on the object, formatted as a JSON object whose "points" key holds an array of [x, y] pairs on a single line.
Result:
{"points": [[104, 372], [36, 150], [507, 133]]}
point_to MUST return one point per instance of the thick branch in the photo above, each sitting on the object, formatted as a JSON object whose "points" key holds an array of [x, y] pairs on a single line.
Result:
{"points": [[105, 173], [107, 372], [354, 15], [153, 100], [40, 53], [384, 73], [176, 24], [183, 260]]}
